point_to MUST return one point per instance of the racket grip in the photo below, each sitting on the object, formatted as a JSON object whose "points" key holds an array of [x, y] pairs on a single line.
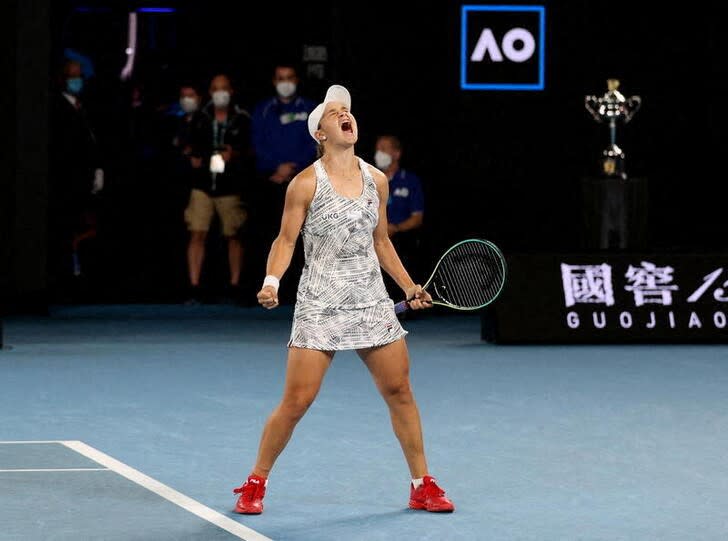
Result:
{"points": [[400, 307]]}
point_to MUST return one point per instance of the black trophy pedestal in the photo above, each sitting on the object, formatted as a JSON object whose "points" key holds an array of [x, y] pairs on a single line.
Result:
{"points": [[614, 213]]}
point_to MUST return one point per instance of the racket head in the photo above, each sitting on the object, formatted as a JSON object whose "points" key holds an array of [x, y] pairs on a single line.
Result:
{"points": [[470, 275]]}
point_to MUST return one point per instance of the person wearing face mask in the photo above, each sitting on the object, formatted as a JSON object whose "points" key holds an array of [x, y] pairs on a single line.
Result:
{"points": [[339, 205], [188, 123], [406, 204], [185, 159], [76, 179], [221, 155], [281, 142], [282, 148]]}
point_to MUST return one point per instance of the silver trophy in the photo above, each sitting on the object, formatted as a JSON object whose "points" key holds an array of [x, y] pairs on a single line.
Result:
{"points": [[613, 107]]}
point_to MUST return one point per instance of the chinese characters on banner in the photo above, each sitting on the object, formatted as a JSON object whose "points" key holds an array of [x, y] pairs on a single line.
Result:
{"points": [[651, 286]]}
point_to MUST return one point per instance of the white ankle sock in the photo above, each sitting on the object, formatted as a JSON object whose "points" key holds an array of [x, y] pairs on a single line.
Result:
{"points": [[265, 483], [417, 482]]}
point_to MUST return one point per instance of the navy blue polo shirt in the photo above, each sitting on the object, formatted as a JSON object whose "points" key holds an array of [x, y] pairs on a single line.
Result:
{"points": [[280, 133], [405, 197]]}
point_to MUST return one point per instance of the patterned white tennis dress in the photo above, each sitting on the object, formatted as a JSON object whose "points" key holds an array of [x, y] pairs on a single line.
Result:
{"points": [[341, 301]]}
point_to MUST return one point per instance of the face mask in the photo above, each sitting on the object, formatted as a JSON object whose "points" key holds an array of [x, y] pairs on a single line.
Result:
{"points": [[188, 104], [221, 98], [286, 89], [74, 85], [382, 160]]}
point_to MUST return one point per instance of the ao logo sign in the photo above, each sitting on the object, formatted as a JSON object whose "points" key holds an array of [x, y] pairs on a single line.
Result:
{"points": [[502, 48], [488, 44]]}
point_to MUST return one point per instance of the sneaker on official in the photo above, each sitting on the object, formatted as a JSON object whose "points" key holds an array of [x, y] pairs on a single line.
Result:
{"points": [[430, 497], [251, 493], [194, 296]]}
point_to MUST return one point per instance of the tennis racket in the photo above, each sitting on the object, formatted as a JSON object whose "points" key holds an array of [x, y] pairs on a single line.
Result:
{"points": [[468, 276]]}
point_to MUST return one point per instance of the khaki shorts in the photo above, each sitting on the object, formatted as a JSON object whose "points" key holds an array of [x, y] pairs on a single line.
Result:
{"points": [[201, 208]]}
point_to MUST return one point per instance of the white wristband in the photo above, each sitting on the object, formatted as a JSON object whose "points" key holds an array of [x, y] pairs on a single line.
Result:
{"points": [[272, 281]]}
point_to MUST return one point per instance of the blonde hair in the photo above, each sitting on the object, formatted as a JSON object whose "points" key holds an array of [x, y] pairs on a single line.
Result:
{"points": [[320, 150]]}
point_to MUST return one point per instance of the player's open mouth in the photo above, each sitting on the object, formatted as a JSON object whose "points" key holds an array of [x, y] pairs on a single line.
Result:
{"points": [[347, 127]]}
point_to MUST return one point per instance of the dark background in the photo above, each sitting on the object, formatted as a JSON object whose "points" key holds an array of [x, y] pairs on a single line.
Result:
{"points": [[501, 165]]}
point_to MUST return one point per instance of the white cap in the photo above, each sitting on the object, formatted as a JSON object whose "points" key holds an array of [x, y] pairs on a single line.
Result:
{"points": [[334, 93]]}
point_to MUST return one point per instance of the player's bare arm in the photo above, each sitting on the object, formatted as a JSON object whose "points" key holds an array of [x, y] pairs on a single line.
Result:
{"points": [[299, 195]]}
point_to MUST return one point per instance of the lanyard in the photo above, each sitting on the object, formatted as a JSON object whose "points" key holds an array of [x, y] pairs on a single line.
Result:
{"points": [[218, 133]]}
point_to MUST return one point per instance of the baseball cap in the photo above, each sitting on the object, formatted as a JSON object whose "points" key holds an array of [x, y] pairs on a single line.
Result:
{"points": [[334, 93]]}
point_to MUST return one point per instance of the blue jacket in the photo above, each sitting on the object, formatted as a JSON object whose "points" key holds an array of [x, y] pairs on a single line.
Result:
{"points": [[405, 196], [280, 134]]}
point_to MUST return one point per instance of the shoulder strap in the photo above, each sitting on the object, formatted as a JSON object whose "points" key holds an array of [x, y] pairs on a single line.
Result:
{"points": [[320, 171]]}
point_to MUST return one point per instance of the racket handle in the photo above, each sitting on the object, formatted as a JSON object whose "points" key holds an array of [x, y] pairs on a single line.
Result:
{"points": [[401, 307]]}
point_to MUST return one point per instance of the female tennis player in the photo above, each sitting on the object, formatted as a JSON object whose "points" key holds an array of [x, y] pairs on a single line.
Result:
{"points": [[339, 204]]}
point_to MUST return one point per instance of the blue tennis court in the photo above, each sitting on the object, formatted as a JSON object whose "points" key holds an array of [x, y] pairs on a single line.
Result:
{"points": [[146, 418]]}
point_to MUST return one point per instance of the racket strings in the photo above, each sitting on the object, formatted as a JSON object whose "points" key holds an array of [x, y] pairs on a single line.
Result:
{"points": [[470, 275]]}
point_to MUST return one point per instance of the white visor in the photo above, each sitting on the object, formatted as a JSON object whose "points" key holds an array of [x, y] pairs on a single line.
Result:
{"points": [[334, 93]]}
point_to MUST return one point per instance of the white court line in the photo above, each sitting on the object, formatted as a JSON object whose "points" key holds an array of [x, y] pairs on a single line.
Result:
{"points": [[56, 469], [168, 493]]}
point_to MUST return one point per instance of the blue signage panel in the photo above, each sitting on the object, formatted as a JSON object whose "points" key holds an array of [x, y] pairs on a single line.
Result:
{"points": [[502, 47]]}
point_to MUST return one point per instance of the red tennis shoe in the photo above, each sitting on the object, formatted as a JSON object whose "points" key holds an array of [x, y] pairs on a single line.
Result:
{"points": [[251, 493], [430, 497]]}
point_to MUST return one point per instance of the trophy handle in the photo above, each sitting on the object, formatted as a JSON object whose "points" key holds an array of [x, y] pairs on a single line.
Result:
{"points": [[591, 104], [631, 106]]}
